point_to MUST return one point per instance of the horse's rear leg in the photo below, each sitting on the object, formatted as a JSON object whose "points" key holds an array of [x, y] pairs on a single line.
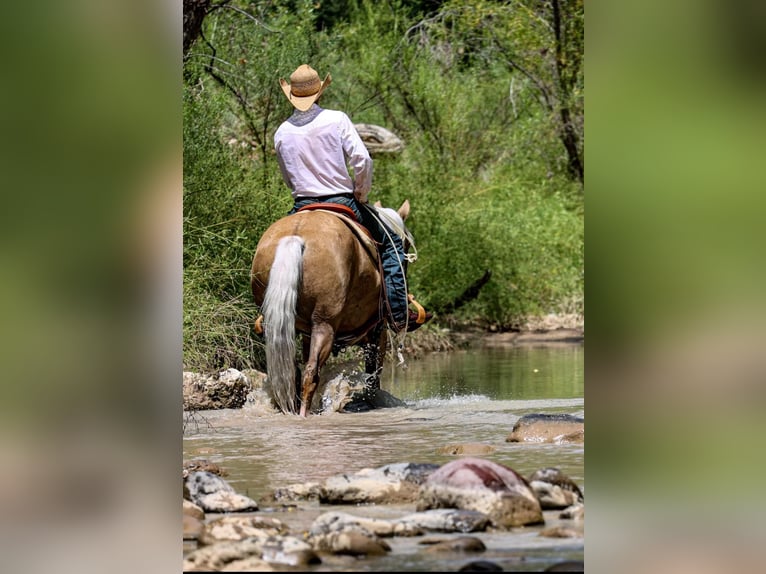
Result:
{"points": [[319, 349], [374, 355]]}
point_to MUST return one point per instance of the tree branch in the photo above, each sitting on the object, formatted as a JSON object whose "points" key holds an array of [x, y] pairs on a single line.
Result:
{"points": [[466, 296]]}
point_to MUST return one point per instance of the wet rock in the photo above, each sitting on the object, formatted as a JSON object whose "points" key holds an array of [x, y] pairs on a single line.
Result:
{"points": [[250, 564], [554, 489], [356, 542], [213, 494], [193, 527], [392, 483], [574, 512], [449, 520], [552, 428], [468, 449], [295, 492], [484, 486], [291, 556], [241, 527], [218, 556], [481, 566], [560, 532], [460, 544], [203, 464], [340, 521], [287, 550], [567, 566], [191, 509], [225, 390]]}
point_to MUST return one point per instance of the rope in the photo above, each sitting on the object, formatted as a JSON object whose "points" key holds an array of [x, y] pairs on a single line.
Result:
{"points": [[402, 232]]}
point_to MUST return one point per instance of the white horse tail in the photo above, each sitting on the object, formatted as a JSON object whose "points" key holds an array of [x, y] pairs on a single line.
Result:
{"points": [[279, 320]]}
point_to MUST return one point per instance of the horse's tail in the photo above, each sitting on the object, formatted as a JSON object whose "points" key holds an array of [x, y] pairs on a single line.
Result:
{"points": [[279, 318]]}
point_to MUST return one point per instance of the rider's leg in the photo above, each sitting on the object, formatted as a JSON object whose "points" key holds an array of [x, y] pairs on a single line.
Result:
{"points": [[393, 262]]}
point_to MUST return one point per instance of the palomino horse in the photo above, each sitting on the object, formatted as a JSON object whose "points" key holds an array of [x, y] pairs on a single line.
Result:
{"points": [[316, 273]]}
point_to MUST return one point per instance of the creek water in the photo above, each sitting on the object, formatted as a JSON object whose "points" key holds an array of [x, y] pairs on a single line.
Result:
{"points": [[466, 396]]}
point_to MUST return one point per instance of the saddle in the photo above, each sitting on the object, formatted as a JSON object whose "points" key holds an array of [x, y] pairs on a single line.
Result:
{"points": [[347, 215]]}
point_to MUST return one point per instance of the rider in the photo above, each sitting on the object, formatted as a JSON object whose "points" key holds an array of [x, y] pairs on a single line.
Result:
{"points": [[313, 147]]}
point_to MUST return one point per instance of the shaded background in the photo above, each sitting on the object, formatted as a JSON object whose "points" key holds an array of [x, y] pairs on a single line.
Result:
{"points": [[91, 305]]}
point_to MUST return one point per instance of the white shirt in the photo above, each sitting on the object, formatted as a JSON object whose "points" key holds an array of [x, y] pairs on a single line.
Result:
{"points": [[313, 155]]}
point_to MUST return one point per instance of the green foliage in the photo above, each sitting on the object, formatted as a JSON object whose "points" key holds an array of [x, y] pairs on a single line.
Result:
{"points": [[475, 90]]}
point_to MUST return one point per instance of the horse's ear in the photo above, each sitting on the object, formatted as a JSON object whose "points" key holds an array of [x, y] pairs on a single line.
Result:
{"points": [[378, 204], [404, 210]]}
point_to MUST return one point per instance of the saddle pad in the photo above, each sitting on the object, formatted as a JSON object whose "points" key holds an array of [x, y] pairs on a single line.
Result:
{"points": [[349, 217], [327, 206]]}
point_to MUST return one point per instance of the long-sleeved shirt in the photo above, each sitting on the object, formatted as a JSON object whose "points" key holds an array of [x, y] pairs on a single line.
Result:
{"points": [[315, 149]]}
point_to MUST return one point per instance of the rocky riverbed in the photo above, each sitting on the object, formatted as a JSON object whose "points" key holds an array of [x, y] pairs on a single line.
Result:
{"points": [[467, 514]]}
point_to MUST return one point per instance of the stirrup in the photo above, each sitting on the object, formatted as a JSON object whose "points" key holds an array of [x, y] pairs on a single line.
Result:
{"points": [[421, 311]]}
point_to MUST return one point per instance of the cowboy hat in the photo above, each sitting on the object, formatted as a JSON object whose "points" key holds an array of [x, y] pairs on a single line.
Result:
{"points": [[304, 88]]}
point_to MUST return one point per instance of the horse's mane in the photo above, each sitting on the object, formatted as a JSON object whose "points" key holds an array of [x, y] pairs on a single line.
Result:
{"points": [[391, 218]]}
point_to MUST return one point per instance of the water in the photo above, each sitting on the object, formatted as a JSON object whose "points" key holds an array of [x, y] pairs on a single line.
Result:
{"points": [[472, 396]]}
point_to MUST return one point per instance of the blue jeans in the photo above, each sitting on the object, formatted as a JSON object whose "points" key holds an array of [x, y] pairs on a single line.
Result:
{"points": [[391, 253]]}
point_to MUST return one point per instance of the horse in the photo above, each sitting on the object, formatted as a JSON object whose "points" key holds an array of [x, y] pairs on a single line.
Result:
{"points": [[317, 274]]}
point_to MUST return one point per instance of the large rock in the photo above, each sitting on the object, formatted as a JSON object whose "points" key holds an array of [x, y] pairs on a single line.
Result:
{"points": [[254, 553], [389, 484], [378, 139], [342, 521], [229, 528], [213, 494], [554, 428], [485, 486], [225, 390]]}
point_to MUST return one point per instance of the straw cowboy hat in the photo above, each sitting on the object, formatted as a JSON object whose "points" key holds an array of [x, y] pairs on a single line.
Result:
{"points": [[304, 88]]}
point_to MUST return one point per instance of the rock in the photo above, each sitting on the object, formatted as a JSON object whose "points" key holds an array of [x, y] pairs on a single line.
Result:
{"points": [[191, 509], [567, 566], [218, 556], [459, 544], [468, 449], [225, 390], [554, 489], [294, 492], [560, 532], [203, 464], [477, 484], [392, 483], [574, 512], [356, 542], [249, 564], [213, 494], [193, 527], [378, 139], [448, 520], [241, 527], [481, 566], [340, 521], [286, 550], [539, 427]]}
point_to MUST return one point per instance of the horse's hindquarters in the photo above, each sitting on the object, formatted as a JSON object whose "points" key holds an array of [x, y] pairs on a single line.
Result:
{"points": [[336, 294], [340, 283]]}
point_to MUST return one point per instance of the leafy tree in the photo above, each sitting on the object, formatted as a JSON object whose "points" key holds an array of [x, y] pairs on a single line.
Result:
{"points": [[488, 98]]}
